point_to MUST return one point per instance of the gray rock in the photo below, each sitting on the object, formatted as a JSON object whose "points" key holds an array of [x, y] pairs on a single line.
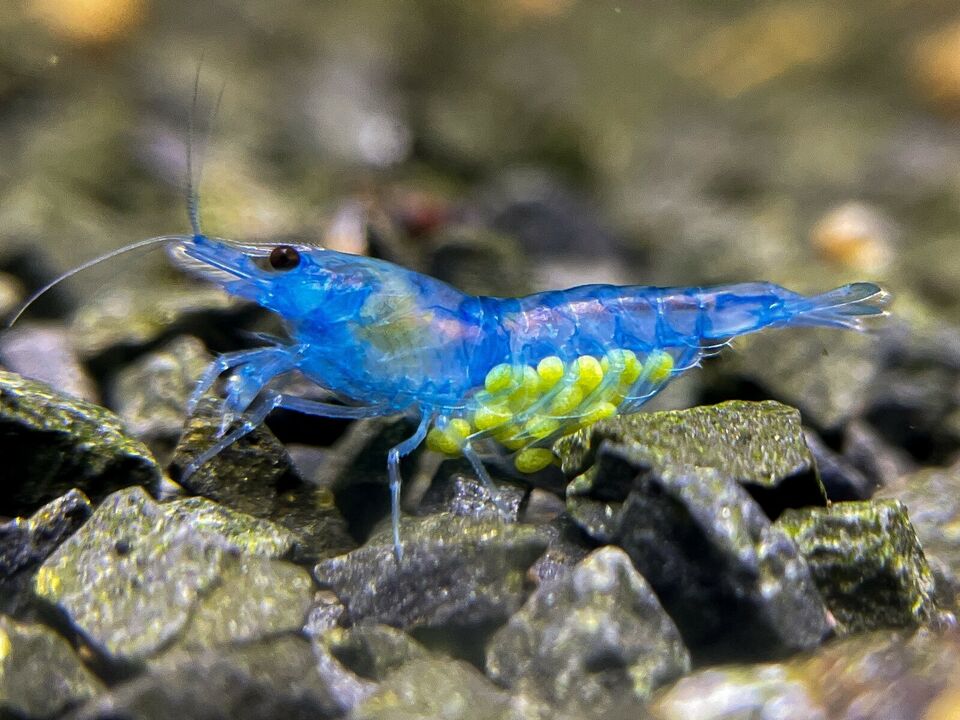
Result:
{"points": [[40, 675], [255, 476], [435, 689], [761, 445], [326, 613], [255, 598], [151, 394], [11, 293], [880, 676], [566, 549], [51, 443], [131, 576], [734, 584], [866, 561], [275, 678], [46, 353], [371, 651], [455, 571], [589, 640]]}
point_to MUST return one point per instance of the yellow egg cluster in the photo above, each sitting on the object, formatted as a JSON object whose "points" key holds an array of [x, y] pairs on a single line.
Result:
{"points": [[591, 391]]}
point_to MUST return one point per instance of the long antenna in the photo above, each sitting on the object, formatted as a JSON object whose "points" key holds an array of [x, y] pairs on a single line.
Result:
{"points": [[194, 175], [193, 199], [162, 239]]}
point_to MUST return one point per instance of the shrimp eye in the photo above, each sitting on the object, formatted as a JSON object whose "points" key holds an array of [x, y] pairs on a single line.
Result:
{"points": [[284, 257]]}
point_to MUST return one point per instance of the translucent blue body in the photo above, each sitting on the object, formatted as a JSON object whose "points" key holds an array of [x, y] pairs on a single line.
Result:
{"points": [[517, 372]]}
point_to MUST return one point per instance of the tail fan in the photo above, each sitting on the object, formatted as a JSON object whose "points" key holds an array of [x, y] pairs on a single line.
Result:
{"points": [[849, 306]]}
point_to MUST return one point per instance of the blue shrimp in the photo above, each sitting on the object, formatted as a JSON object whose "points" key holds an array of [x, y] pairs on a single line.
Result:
{"points": [[476, 371]]}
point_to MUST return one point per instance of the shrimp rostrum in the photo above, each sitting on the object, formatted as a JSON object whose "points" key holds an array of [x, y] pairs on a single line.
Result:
{"points": [[475, 371]]}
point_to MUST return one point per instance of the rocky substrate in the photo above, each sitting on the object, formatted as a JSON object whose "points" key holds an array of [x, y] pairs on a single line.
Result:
{"points": [[682, 564]]}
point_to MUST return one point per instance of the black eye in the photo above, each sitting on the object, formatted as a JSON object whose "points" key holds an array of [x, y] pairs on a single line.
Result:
{"points": [[284, 257]]}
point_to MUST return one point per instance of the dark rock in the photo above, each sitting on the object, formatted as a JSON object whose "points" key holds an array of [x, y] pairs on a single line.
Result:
{"points": [[372, 651], [880, 676], [933, 498], [355, 470], [825, 373], [911, 407], [255, 476], [127, 318], [879, 462], [866, 561], [51, 443], [589, 640], [542, 506], [480, 262], [761, 445], [435, 688], [46, 353], [465, 496], [130, 578], [275, 678], [40, 675], [25, 542], [455, 571], [734, 584], [841, 480], [151, 394]]}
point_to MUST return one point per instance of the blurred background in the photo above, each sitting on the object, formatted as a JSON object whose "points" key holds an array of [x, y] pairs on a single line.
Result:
{"points": [[503, 145]]}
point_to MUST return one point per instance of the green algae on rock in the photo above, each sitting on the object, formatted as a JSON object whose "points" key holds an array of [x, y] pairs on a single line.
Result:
{"points": [[759, 444], [40, 675], [866, 561], [256, 476], [254, 598], [247, 534], [595, 636], [51, 443], [27, 541], [140, 576], [131, 576]]}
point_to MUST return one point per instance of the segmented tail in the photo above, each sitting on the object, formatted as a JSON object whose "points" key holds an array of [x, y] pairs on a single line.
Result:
{"points": [[847, 307]]}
